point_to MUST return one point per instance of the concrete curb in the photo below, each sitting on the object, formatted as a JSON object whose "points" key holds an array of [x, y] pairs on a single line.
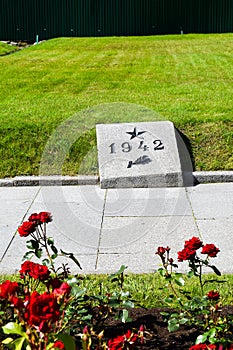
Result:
{"points": [[212, 176], [57, 180]]}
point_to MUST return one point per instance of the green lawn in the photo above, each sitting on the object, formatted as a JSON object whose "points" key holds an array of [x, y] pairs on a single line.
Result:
{"points": [[186, 79], [6, 49], [149, 290]]}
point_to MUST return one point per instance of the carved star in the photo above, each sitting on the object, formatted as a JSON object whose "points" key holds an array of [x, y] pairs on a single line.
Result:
{"points": [[135, 133]]}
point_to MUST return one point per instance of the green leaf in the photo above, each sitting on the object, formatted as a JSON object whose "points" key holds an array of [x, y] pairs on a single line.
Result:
{"points": [[168, 300], [214, 268], [190, 274], [212, 333], [32, 244], [50, 241], [7, 341], [54, 256], [119, 272], [28, 255], [67, 340], [45, 262], [38, 253], [124, 316], [180, 281], [72, 257], [201, 338], [128, 304], [54, 249], [183, 320], [13, 328], [18, 343], [173, 325]]}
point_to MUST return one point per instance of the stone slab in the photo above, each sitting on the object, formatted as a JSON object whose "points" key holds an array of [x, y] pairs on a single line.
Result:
{"points": [[142, 155], [127, 235], [14, 204], [212, 200], [219, 232], [147, 202]]}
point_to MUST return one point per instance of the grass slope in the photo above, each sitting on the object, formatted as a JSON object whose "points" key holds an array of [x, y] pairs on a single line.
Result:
{"points": [[187, 79]]}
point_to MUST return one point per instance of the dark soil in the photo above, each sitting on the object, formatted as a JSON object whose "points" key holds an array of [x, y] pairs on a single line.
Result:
{"points": [[159, 337]]}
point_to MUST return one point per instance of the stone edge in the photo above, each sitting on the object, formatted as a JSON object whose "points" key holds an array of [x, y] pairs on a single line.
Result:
{"points": [[18, 181]]}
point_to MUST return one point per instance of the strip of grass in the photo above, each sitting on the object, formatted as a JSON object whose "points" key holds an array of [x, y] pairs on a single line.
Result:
{"points": [[149, 289], [6, 49], [187, 79]]}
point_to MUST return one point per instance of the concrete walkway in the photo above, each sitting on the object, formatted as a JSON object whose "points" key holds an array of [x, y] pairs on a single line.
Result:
{"points": [[108, 228]]}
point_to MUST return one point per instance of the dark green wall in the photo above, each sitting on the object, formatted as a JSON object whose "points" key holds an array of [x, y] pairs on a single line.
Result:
{"points": [[24, 19]]}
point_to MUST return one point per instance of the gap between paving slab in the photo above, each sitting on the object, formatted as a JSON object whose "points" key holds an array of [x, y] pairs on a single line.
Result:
{"points": [[198, 176]]}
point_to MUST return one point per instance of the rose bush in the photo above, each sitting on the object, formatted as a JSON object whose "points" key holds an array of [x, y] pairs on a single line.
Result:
{"points": [[48, 299]]}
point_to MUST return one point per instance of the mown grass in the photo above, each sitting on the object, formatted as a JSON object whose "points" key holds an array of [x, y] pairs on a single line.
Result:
{"points": [[186, 79], [149, 290], [6, 49]]}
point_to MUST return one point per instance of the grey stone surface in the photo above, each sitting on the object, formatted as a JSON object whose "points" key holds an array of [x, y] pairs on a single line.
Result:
{"points": [[55, 180], [77, 213], [108, 228], [6, 182], [219, 232], [14, 205], [212, 200], [147, 202], [198, 178], [213, 176], [142, 155], [136, 234]]}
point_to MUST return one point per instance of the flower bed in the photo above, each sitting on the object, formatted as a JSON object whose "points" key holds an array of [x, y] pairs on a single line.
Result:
{"points": [[49, 309]]}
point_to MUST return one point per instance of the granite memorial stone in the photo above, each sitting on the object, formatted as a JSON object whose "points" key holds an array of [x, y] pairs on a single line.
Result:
{"points": [[142, 155]]}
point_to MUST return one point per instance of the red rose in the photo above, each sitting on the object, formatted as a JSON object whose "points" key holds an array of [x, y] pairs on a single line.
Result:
{"points": [[8, 289], [58, 344], [161, 250], [41, 310], [118, 342], [193, 244], [65, 288], [16, 302], [25, 268], [54, 283], [186, 254], [33, 217], [203, 347], [26, 228], [37, 271], [213, 295], [211, 250], [44, 216]]}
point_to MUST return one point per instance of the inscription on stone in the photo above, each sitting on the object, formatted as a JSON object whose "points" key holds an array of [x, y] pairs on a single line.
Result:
{"points": [[139, 155]]}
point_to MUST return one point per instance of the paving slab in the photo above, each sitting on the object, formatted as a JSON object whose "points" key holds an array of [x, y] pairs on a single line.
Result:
{"points": [[212, 200], [14, 204], [108, 228], [74, 226], [219, 232], [147, 202], [136, 263], [77, 216], [144, 234]]}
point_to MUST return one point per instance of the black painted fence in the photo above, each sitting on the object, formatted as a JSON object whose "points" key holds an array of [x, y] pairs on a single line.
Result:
{"points": [[26, 19]]}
